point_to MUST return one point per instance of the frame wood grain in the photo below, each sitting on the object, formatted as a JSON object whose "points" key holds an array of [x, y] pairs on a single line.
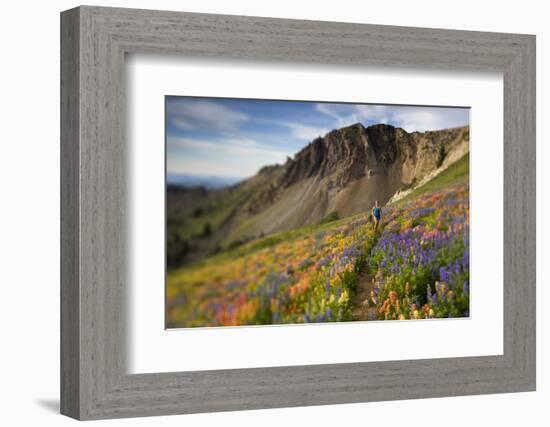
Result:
{"points": [[94, 381]]}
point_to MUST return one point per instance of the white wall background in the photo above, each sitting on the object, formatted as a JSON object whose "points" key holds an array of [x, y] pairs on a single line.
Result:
{"points": [[29, 211]]}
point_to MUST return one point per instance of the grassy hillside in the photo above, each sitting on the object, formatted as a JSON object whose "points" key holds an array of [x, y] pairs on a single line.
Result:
{"points": [[415, 266], [199, 221]]}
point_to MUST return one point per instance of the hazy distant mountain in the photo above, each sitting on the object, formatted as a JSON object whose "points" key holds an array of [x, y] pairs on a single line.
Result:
{"points": [[209, 182], [343, 172]]}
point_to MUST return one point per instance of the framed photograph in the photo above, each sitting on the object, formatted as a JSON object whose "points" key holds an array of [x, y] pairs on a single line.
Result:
{"points": [[262, 213], [273, 218]]}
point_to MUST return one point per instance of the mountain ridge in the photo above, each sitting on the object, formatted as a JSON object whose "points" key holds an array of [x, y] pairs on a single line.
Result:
{"points": [[343, 172]]}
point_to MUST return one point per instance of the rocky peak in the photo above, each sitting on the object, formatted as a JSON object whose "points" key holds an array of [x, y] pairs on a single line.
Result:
{"points": [[344, 153], [349, 153], [324, 154]]}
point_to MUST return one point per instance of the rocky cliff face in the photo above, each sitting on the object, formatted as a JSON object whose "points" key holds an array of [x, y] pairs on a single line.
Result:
{"points": [[342, 153], [345, 172], [353, 152], [349, 168]]}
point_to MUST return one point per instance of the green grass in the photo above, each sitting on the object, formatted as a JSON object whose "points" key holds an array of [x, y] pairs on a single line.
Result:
{"points": [[269, 241], [217, 211], [333, 216], [457, 172]]}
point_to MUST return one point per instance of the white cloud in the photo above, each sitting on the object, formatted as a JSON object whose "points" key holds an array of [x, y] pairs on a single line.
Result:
{"points": [[234, 146], [182, 123], [379, 113], [232, 157], [201, 167], [421, 120], [204, 114], [409, 118], [329, 110], [307, 133]]}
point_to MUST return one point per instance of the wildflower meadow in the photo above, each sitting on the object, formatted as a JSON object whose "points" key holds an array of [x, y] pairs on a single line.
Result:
{"points": [[414, 266]]}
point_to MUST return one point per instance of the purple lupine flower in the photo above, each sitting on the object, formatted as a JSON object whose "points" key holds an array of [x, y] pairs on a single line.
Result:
{"points": [[325, 261], [443, 275]]}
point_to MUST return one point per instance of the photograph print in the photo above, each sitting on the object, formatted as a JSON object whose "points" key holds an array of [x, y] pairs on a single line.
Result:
{"points": [[297, 212]]}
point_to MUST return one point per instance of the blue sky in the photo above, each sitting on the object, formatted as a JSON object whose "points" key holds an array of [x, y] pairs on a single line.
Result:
{"points": [[236, 137]]}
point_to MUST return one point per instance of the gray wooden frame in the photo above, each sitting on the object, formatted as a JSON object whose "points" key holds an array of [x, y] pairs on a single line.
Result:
{"points": [[94, 41]]}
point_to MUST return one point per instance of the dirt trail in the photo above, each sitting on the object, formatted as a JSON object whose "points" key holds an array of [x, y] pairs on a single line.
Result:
{"points": [[363, 308], [361, 304]]}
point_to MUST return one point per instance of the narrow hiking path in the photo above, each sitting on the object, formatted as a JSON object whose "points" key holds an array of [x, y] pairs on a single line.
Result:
{"points": [[363, 308]]}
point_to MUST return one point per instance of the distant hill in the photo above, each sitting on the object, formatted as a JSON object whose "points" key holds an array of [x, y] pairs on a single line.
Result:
{"points": [[208, 182], [337, 175]]}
